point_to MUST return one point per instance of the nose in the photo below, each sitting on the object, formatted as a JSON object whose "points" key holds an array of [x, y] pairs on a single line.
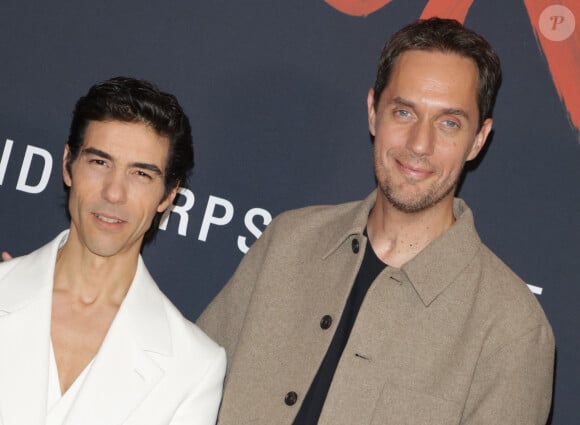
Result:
{"points": [[115, 188], [421, 138]]}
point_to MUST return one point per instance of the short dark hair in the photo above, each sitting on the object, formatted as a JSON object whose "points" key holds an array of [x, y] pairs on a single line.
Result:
{"points": [[133, 100], [444, 35]]}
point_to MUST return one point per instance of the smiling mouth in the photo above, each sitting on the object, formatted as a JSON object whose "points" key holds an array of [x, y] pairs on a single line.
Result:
{"points": [[414, 171], [110, 220]]}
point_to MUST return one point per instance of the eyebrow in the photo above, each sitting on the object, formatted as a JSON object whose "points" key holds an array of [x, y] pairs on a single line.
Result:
{"points": [[144, 165], [457, 112], [400, 101]]}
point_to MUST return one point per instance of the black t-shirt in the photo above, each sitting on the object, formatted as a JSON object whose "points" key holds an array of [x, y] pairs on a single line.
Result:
{"points": [[314, 401]]}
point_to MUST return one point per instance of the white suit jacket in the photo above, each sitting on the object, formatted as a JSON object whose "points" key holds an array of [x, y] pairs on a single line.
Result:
{"points": [[154, 366]]}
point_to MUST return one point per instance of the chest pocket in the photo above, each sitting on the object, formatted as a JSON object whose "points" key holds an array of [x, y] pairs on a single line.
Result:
{"points": [[399, 405]]}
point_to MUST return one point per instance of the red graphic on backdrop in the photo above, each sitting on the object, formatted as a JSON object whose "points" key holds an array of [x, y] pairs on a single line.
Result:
{"points": [[358, 7], [455, 9], [561, 45], [554, 27]]}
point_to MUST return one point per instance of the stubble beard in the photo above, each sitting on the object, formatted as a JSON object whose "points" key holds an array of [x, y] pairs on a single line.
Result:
{"points": [[421, 203], [408, 204]]}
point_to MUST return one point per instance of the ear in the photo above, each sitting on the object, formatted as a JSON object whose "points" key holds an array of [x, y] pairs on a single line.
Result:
{"points": [[480, 139], [65, 174], [168, 199], [372, 114]]}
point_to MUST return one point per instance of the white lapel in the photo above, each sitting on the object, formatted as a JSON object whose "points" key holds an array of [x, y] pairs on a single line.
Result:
{"points": [[25, 306], [124, 370]]}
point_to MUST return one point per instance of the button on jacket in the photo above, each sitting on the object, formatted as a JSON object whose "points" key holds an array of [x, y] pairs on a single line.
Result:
{"points": [[452, 337]]}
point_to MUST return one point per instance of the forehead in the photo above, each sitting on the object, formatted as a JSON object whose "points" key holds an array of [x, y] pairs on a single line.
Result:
{"points": [[131, 141], [435, 74]]}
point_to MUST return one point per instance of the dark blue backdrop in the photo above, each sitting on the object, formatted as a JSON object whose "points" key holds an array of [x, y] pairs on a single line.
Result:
{"points": [[276, 94]]}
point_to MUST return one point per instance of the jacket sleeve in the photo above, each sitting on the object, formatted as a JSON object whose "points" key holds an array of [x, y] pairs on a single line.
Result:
{"points": [[514, 384], [224, 318]]}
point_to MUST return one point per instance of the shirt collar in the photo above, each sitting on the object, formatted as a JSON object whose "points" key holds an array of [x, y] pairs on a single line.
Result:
{"points": [[353, 222], [437, 265], [441, 262]]}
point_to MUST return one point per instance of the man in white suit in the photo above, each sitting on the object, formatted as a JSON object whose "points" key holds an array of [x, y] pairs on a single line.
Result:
{"points": [[86, 335]]}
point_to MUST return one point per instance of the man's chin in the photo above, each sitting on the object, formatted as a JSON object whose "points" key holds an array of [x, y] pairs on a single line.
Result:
{"points": [[408, 204]]}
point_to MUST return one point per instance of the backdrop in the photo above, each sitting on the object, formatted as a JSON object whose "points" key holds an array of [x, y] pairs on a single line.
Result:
{"points": [[276, 93]]}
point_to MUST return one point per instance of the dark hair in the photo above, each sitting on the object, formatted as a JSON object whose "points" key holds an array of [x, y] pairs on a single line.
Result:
{"points": [[445, 35], [132, 100]]}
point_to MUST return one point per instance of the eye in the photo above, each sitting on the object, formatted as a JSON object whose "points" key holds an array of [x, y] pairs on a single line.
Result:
{"points": [[98, 161], [143, 174], [450, 124], [402, 113]]}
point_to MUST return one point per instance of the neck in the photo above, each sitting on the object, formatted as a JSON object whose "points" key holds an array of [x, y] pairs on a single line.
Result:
{"points": [[92, 279], [398, 236]]}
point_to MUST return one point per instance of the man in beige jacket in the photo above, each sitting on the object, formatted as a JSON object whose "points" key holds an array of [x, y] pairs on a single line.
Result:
{"points": [[391, 310]]}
